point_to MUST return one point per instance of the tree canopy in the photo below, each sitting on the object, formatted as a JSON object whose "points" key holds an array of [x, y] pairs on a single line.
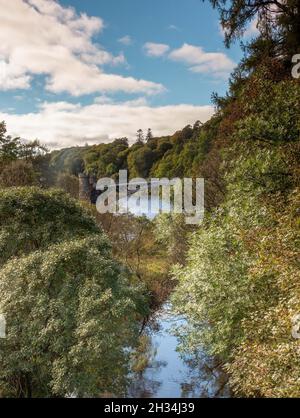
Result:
{"points": [[276, 20], [69, 305], [240, 287]]}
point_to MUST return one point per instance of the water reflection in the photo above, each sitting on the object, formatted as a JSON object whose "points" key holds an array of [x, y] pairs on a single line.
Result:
{"points": [[170, 375]]}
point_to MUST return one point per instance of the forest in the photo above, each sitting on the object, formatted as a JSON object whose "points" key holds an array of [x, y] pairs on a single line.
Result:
{"points": [[76, 288]]}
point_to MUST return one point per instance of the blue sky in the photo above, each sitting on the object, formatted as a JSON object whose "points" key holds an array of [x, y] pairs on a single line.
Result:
{"points": [[87, 71], [152, 21]]}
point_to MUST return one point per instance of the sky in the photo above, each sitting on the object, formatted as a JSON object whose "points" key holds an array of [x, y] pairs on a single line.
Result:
{"points": [[74, 72]]}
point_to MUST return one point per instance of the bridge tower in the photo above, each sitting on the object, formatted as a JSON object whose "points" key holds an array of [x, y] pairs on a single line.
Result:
{"points": [[84, 187]]}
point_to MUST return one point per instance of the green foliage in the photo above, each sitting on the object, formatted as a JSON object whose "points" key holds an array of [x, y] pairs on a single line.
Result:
{"points": [[143, 355], [70, 312], [22, 163], [69, 160], [278, 121], [9, 147], [177, 155], [12, 149], [240, 287], [18, 173], [277, 21], [105, 160], [135, 245], [171, 231], [140, 162], [69, 183], [32, 219], [268, 343]]}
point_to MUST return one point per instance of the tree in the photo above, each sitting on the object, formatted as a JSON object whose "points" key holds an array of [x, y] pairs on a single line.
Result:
{"points": [[135, 244], [240, 286], [32, 219], [18, 173], [276, 20], [13, 148], [172, 231], [71, 312], [140, 162], [32, 150], [106, 159], [21, 162], [69, 184], [71, 318], [149, 135], [9, 147], [140, 137]]}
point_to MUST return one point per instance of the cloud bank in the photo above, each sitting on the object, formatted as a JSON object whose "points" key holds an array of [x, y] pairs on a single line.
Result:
{"points": [[63, 124]]}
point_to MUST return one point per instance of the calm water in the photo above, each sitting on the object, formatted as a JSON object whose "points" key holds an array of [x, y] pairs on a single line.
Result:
{"points": [[144, 207], [171, 375]]}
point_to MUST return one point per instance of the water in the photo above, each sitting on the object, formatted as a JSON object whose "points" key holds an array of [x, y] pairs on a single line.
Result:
{"points": [[143, 206], [170, 375]]}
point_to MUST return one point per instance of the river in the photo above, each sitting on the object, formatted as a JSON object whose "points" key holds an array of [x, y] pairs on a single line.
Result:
{"points": [[171, 375]]}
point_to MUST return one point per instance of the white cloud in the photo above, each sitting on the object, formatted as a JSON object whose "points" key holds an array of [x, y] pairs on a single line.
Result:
{"points": [[63, 124], [126, 40], [40, 37], [216, 64], [173, 27], [156, 50]]}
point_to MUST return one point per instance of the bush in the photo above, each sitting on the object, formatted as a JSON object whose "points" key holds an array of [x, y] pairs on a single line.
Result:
{"points": [[32, 219], [69, 184], [18, 173], [240, 288], [70, 313]]}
